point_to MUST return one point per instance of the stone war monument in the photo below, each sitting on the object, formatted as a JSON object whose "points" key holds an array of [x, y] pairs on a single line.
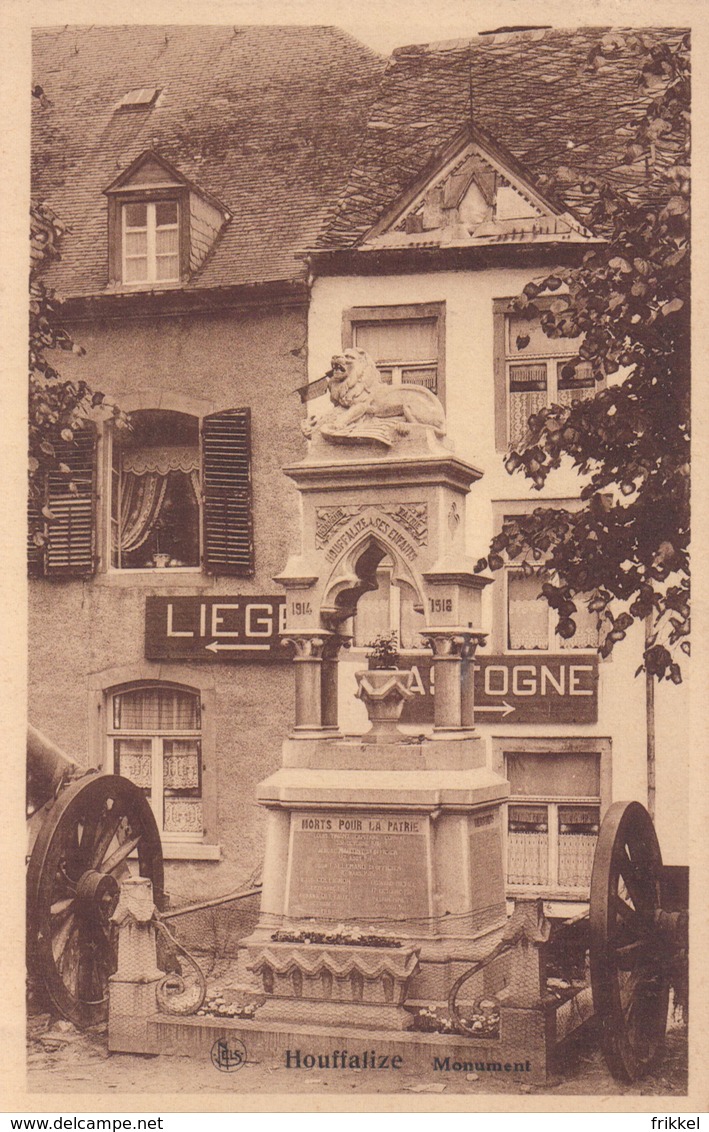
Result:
{"points": [[383, 875]]}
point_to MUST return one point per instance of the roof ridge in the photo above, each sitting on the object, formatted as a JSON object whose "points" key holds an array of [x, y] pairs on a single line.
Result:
{"points": [[480, 39]]}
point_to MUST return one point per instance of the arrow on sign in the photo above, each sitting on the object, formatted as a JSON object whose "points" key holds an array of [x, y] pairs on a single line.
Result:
{"points": [[220, 646], [504, 707]]}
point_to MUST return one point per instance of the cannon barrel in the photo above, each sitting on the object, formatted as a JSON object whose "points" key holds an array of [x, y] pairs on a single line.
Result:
{"points": [[47, 768]]}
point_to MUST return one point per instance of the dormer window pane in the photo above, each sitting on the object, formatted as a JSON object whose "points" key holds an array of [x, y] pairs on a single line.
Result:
{"points": [[136, 215], [166, 213], [136, 243], [151, 242], [166, 253], [136, 269]]}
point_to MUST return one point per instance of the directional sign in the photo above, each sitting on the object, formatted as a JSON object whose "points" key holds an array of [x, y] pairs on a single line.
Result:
{"points": [[549, 688], [235, 628]]}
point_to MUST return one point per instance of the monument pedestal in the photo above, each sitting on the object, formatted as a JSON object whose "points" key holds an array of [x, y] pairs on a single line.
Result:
{"points": [[383, 877]]}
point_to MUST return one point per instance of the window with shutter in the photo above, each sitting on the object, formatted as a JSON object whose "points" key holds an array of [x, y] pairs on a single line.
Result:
{"points": [[226, 487], [69, 550], [155, 492]]}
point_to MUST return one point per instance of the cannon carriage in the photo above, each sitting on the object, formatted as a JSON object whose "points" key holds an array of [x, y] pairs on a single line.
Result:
{"points": [[88, 832]]}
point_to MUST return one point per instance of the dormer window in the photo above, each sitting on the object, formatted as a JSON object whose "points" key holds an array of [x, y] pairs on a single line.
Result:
{"points": [[151, 242], [160, 226]]}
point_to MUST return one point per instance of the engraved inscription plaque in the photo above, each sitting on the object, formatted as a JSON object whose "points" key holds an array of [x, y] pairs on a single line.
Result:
{"points": [[366, 867], [486, 864]]}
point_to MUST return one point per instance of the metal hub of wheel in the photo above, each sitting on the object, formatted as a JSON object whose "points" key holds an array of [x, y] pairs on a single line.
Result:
{"points": [[629, 949], [96, 832]]}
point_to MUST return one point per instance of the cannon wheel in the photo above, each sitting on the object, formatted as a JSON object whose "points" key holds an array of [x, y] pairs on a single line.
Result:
{"points": [[81, 854], [629, 972]]}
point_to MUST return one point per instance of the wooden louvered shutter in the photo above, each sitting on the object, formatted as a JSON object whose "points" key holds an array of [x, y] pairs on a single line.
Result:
{"points": [[35, 525], [70, 546], [226, 488]]}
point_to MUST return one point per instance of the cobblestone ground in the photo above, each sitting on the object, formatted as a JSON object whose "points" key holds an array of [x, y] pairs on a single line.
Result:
{"points": [[63, 1060]]}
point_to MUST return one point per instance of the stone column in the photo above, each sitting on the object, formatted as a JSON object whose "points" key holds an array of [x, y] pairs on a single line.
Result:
{"points": [[446, 645], [467, 677], [328, 682], [453, 696], [308, 661]]}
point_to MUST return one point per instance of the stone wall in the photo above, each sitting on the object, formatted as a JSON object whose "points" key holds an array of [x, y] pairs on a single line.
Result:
{"points": [[88, 635]]}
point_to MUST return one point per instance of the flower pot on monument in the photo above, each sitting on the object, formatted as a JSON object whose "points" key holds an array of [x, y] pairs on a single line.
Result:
{"points": [[384, 693]]}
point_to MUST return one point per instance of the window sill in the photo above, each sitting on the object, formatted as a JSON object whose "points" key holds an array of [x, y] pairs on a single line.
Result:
{"points": [[190, 851], [188, 577], [547, 893], [556, 908], [144, 287]]}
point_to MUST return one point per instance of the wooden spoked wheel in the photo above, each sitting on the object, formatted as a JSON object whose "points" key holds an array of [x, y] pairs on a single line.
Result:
{"points": [[92, 837], [629, 962]]}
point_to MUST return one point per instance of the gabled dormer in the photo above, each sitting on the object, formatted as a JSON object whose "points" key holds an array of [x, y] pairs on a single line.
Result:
{"points": [[473, 193], [161, 227]]}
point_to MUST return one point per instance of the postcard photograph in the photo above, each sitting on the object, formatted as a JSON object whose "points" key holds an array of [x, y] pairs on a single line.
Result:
{"points": [[358, 555]]}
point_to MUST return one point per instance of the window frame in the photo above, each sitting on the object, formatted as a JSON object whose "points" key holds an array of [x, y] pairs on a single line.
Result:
{"points": [[402, 312], [502, 748], [555, 644], [104, 685], [236, 557], [157, 740], [109, 450], [499, 636], [501, 309], [147, 195], [152, 255]]}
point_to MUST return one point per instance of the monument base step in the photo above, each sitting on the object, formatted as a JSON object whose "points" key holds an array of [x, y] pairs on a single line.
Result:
{"points": [[360, 1016], [520, 1057]]}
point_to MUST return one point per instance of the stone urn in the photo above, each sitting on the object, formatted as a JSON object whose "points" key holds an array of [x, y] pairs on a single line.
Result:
{"points": [[384, 691]]}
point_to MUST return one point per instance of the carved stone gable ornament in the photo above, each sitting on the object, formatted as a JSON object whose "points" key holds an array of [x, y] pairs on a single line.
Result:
{"points": [[477, 194]]}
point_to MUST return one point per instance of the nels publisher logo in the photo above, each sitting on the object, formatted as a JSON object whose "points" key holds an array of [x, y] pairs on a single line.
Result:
{"points": [[228, 1054]]}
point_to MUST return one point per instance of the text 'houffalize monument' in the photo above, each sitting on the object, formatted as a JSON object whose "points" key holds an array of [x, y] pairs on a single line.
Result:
{"points": [[397, 839]]}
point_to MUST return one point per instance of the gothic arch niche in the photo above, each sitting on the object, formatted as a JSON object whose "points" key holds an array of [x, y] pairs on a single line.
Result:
{"points": [[374, 589]]}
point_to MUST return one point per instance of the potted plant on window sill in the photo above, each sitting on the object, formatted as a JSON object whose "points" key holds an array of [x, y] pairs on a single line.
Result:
{"points": [[384, 688]]}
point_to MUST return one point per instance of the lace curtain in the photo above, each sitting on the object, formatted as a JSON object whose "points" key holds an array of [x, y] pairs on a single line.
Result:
{"points": [[180, 765], [576, 859], [156, 709], [144, 483], [527, 858], [135, 761], [528, 616]]}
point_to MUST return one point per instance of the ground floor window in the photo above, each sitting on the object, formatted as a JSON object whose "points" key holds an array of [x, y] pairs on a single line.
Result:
{"points": [[155, 740], [553, 818]]}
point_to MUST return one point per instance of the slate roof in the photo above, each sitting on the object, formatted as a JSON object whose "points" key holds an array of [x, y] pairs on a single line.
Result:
{"points": [[534, 92], [261, 117]]}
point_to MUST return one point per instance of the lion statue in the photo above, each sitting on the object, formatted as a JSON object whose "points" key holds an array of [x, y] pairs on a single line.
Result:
{"points": [[366, 408]]}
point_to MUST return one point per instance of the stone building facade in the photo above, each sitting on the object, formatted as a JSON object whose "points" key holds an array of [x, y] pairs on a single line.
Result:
{"points": [[242, 203]]}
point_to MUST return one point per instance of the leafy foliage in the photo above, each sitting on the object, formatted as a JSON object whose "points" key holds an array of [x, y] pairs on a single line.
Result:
{"points": [[626, 549], [384, 651], [58, 407]]}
